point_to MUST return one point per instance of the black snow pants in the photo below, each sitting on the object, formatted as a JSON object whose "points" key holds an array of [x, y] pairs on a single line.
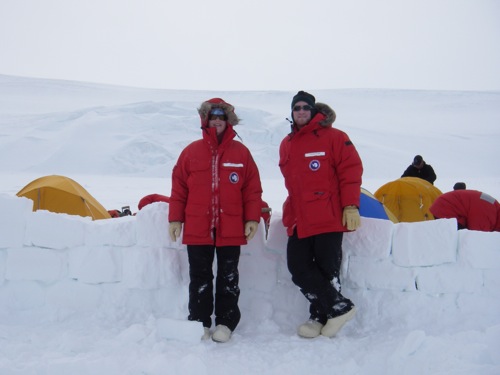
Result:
{"points": [[227, 291], [314, 263]]}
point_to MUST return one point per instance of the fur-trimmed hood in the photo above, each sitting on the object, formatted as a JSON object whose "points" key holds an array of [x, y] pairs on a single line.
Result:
{"points": [[208, 105], [328, 112]]}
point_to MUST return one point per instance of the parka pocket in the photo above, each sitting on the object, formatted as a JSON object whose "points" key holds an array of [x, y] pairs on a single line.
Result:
{"points": [[231, 174], [197, 220], [317, 207], [199, 172], [231, 220], [316, 167]]}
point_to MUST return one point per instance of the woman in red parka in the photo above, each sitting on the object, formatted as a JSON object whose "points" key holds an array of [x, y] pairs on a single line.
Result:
{"points": [[474, 210], [216, 201], [322, 172]]}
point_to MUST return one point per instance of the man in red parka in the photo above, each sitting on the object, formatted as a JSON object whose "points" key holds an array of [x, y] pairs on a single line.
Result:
{"points": [[216, 199], [473, 210], [322, 172]]}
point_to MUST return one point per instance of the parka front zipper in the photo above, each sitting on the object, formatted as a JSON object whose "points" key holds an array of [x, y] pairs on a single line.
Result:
{"points": [[215, 189]]}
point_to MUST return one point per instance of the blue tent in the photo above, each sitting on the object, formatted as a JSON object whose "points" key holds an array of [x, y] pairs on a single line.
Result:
{"points": [[369, 206]]}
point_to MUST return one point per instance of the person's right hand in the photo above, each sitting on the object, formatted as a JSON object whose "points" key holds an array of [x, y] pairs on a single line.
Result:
{"points": [[174, 229]]}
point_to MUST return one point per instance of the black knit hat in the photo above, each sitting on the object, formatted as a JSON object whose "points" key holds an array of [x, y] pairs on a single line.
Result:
{"points": [[459, 186], [303, 96]]}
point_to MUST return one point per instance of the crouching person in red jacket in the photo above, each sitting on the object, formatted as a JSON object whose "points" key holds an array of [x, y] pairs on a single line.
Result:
{"points": [[322, 172], [152, 198], [474, 210], [216, 200]]}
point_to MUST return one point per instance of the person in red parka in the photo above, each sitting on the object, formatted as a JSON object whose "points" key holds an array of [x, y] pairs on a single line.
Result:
{"points": [[216, 202], [474, 210], [152, 198], [266, 213], [114, 213], [322, 172]]}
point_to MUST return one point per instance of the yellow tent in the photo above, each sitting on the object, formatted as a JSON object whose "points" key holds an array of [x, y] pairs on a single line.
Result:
{"points": [[63, 195], [409, 198]]}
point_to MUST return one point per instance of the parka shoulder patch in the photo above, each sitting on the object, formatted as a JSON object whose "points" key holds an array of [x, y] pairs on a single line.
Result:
{"points": [[487, 198], [348, 143]]}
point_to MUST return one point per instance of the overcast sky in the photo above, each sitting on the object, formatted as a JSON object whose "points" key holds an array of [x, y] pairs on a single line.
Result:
{"points": [[255, 44]]}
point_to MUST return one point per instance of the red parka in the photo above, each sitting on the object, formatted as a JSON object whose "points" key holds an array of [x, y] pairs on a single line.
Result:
{"points": [[215, 186], [322, 172], [473, 209]]}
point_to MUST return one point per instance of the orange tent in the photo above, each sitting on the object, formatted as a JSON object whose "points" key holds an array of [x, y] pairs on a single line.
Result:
{"points": [[409, 198], [63, 195]]}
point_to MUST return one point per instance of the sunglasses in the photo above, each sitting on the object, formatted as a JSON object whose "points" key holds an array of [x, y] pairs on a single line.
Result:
{"points": [[304, 107], [218, 117]]}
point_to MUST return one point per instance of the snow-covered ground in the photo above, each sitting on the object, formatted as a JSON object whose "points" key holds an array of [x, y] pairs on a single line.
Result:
{"points": [[121, 143]]}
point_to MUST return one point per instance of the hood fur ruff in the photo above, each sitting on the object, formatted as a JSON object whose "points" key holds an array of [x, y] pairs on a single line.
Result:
{"points": [[208, 105], [329, 113]]}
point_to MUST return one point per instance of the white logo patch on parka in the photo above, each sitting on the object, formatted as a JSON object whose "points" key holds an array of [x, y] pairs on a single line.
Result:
{"points": [[314, 164]]}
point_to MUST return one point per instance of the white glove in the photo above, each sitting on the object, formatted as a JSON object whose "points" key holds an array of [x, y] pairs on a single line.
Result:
{"points": [[351, 218], [174, 229], [250, 229]]}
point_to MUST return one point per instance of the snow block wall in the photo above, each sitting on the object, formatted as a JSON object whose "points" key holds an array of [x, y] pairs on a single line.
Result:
{"points": [[68, 263]]}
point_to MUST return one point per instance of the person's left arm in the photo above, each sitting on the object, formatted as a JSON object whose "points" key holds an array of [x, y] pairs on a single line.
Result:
{"points": [[432, 174], [252, 191], [349, 169]]}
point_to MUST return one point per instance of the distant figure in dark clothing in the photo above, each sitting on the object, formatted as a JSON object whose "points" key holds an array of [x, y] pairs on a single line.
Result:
{"points": [[419, 168], [459, 186]]}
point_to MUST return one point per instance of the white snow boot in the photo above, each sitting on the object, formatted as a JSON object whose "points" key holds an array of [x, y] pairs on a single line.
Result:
{"points": [[206, 333], [310, 329], [221, 334], [334, 325]]}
